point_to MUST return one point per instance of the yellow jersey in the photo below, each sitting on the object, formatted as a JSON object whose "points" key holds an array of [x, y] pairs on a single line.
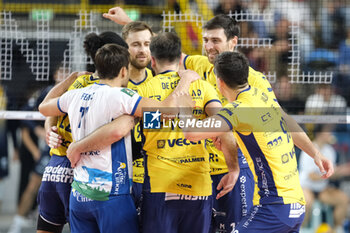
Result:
{"points": [[263, 137], [138, 166], [205, 69], [175, 164], [63, 124]]}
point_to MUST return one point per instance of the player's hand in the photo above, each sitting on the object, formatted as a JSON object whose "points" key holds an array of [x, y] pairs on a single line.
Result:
{"points": [[117, 15], [73, 154], [53, 139], [227, 183], [184, 100], [324, 164], [189, 75]]}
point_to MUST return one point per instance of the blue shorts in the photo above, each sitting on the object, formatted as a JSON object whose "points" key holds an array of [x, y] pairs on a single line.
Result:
{"points": [[53, 195], [174, 213], [118, 214], [231, 208], [272, 218], [137, 194]]}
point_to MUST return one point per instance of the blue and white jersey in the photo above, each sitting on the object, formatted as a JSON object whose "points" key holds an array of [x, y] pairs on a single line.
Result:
{"points": [[103, 173]]}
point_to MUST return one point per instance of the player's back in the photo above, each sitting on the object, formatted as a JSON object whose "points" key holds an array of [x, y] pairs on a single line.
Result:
{"points": [[264, 139], [104, 172], [63, 125], [176, 164]]}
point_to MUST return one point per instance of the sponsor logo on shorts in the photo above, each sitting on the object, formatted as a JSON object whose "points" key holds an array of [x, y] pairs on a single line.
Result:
{"points": [[174, 197], [296, 210], [80, 197], [251, 217], [58, 174]]}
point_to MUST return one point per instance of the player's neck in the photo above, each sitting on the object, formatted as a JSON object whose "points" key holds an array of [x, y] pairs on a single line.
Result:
{"points": [[163, 68], [232, 95], [116, 82], [137, 75]]}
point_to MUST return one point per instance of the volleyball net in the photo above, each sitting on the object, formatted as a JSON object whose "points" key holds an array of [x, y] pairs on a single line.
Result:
{"points": [[302, 47]]}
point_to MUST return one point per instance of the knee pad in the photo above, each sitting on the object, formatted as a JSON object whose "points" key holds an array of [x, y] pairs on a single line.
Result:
{"points": [[43, 225]]}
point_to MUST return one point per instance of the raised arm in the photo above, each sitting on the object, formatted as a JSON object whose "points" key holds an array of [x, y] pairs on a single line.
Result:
{"points": [[117, 15]]}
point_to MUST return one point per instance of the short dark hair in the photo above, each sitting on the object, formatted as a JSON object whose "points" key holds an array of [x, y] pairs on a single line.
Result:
{"points": [[135, 26], [231, 29], [110, 59], [93, 42], [166, 46], [232, 68]]}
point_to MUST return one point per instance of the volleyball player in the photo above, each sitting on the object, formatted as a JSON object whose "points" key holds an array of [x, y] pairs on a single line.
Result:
{"points": [[100, 200], [220, 34], [54, 192], [256, 120]]}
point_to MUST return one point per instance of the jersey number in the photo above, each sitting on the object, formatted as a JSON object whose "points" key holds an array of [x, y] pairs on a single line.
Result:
{"points": [[83, 111], [67, 128]]}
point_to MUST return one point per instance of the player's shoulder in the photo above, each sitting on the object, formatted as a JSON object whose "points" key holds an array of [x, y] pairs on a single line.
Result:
{"points": [[196, 61], [256, 74], [83, 81]]}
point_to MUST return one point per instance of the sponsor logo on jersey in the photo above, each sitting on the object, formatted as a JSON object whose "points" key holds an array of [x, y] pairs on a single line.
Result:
{"points": [[129, 92]]}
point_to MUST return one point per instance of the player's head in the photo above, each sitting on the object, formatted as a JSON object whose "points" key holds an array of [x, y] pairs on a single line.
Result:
{"points": [[165, 49], [231, 69], [220, 34], [111, 62], [137, 35], [93, 42]]}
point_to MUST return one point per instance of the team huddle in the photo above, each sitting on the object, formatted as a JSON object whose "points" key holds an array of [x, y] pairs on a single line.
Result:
{"points": [[239, 177]]}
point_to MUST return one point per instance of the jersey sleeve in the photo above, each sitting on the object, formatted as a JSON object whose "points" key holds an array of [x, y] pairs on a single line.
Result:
{"points": [[83, 81], [228, 113], [128, 101], [64, 100], [210, 94], [195, 62]]}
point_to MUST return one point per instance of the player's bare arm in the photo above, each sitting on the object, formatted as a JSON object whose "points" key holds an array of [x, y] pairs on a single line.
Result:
{"points": [[303, 142], [101, 138]]}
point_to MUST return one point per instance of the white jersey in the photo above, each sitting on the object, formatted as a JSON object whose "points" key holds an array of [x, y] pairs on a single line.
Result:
{"points": [[100, 174]]}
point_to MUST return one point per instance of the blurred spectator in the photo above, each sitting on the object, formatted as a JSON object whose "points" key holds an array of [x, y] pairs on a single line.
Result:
{"points": [[256, 55], [342, 79], [225, 6], [4, 164], [286, 98], [333, 22], [325, 101], [315, 187], [298, 12], [263, 28], [33, 134], [279, 53]]}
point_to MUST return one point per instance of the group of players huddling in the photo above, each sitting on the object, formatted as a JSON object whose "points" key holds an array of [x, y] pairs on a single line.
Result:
{"points": [[239, 177]]}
